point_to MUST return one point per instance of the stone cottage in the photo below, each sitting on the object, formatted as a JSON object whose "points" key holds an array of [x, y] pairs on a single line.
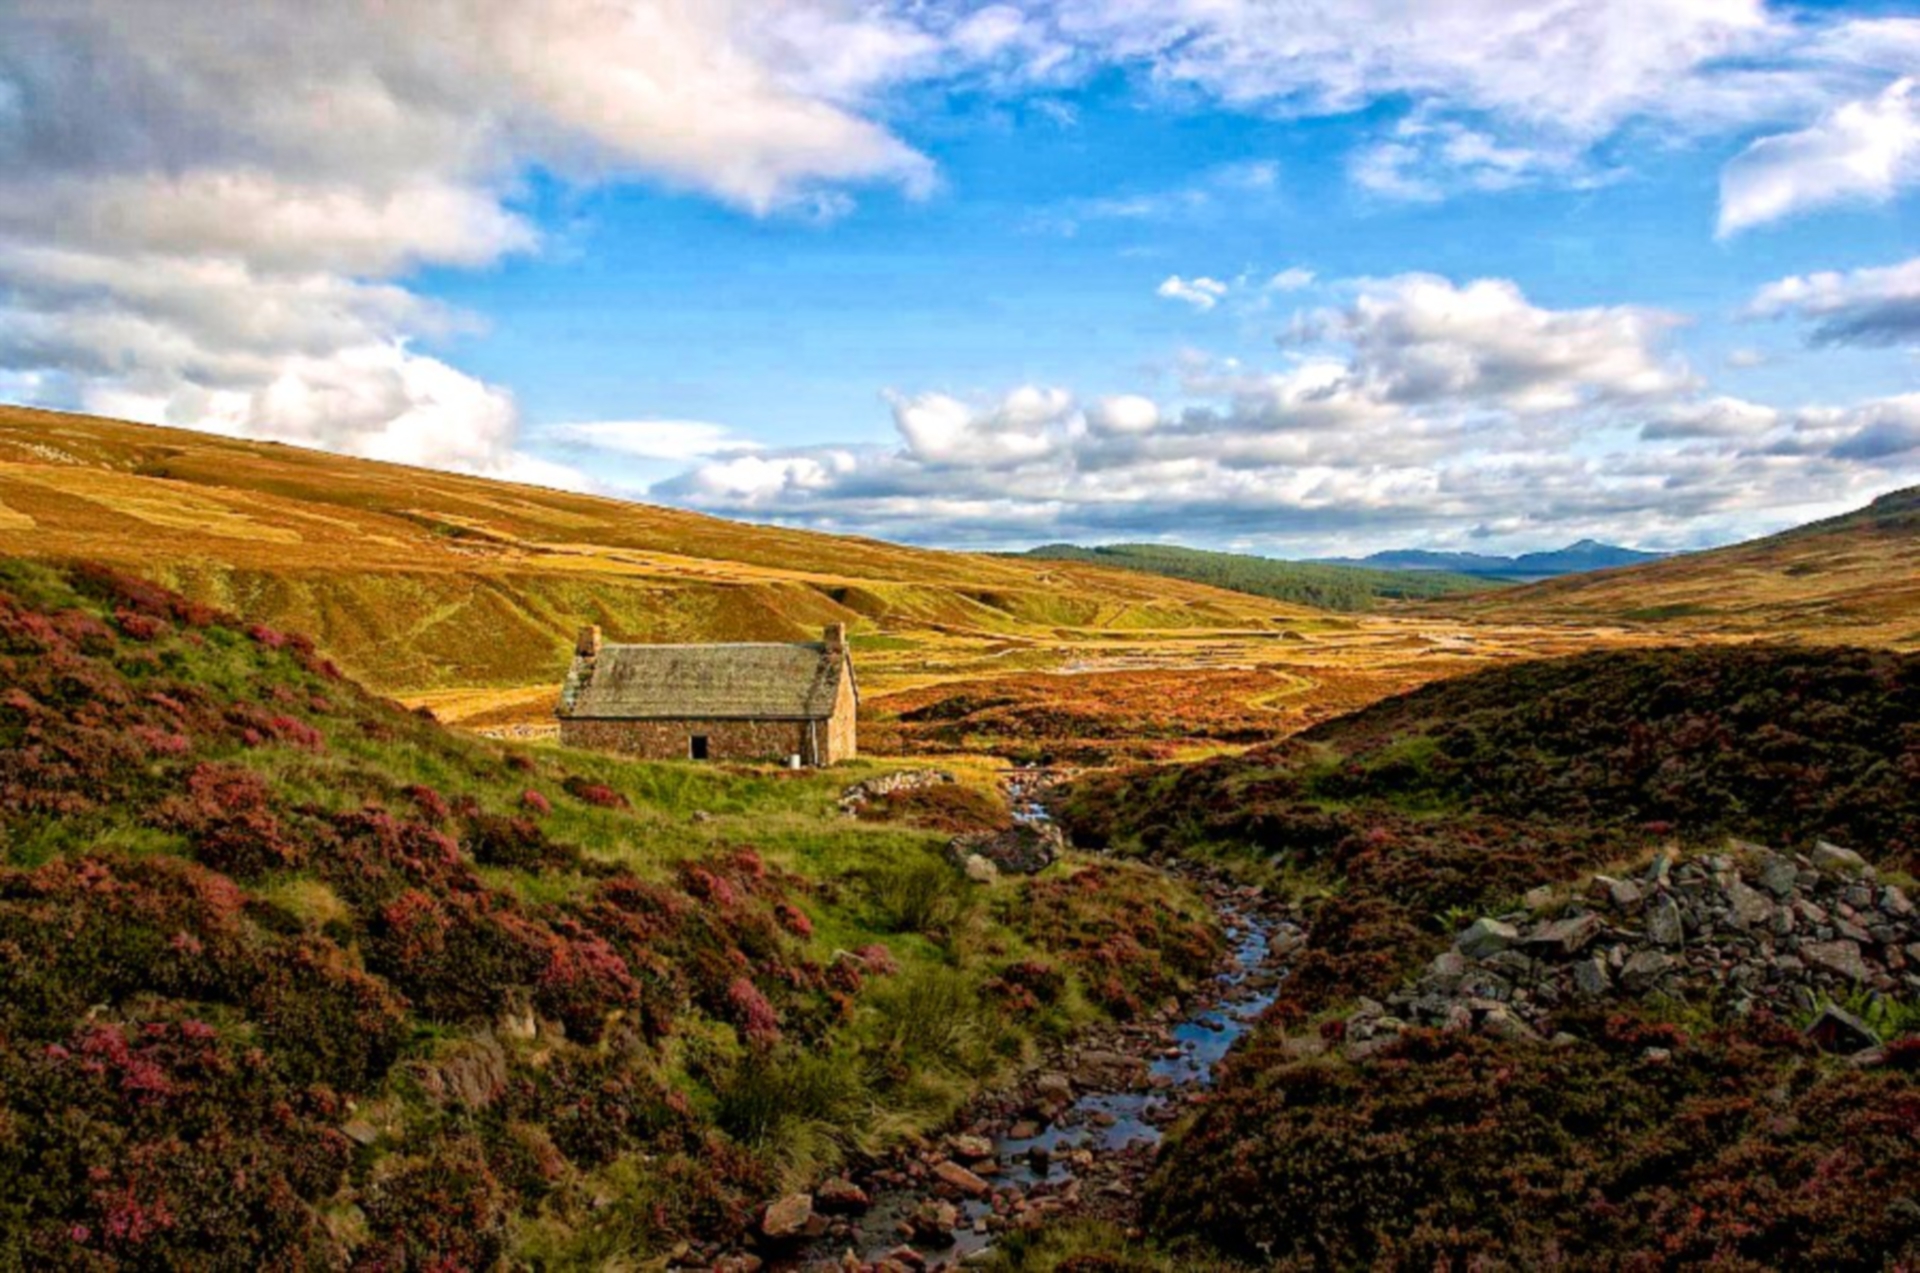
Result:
{"points": [[713, 702]]}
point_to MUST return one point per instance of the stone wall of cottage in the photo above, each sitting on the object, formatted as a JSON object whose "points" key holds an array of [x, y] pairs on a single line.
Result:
{"points": [[744, 740], [842, 736]]}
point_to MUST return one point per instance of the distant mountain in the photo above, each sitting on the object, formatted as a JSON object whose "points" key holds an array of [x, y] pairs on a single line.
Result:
{"points": [[1588, 554], [1852, 579], [1329, 586]]}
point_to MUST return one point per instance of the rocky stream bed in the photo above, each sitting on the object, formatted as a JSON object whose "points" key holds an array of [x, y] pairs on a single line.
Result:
{"points": [[1074, 1137]]}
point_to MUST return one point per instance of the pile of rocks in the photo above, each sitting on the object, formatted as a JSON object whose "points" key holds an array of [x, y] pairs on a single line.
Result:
{"points": [[1025, 848], [860, 794], [1746, 928]]}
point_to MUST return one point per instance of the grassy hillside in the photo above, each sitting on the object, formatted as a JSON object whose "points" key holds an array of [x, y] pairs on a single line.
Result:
{"points": [[1327, 586], [293, 978], [1850, 579], [416, 580], [1395, 826]]}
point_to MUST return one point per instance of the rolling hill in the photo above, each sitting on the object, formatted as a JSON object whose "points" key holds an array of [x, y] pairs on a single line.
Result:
{"points": [[418, 580], [1853, 579], [1347, 587]]}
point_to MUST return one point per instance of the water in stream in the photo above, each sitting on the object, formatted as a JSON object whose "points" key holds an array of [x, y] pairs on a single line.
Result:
{"points": [[1108, 1121]]}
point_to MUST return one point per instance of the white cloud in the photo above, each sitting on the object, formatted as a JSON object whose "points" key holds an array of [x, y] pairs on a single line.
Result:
{"points": [[1123, 414], [1878, 306], [1418, 338], [1292, 279], [1864, 151], [1417, 408], [1582, 67], [1720, 417], [203, 209], [1202, 293], [943, 431]]}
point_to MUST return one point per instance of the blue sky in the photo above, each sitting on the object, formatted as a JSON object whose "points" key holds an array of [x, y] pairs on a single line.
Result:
{"points": [[1295, 279]]}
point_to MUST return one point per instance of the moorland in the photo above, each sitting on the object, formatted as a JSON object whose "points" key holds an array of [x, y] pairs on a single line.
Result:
{"points": [[1576, 920]]}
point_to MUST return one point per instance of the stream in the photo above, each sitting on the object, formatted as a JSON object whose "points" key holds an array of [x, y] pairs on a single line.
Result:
{"points": [[1077, 1136]]}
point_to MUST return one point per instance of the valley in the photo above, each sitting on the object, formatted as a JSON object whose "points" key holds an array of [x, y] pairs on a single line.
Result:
{"points": [[1342, 898]]}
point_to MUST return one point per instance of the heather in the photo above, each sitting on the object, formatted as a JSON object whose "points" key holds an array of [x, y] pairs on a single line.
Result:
{"points": [[1677, 1127], [292, 977]]}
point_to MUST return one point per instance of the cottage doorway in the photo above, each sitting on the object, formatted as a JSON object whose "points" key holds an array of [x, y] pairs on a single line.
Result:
{"points": [[697, 747]]}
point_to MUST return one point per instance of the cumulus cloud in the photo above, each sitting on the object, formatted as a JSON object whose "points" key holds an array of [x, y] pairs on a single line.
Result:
{"points": [[1202, 293], [1878, 306], [1419, 338], [1293, 279], [1719, 417], [1864, 151], [1124, 413], [203, 211], [1417, 407]]}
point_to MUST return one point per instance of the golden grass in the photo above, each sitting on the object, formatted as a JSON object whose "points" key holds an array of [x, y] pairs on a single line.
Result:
{"points": [[463, 594], [1851, 580]]}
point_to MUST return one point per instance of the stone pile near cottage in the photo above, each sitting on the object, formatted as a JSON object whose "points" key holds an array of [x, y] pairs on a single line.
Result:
{"points": [[1743, 930], [861, 794]]}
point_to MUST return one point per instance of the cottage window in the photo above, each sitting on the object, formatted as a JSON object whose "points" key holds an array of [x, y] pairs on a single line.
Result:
{"points": [[697, 747]]}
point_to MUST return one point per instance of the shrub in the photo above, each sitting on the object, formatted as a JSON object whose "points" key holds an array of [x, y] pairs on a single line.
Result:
{"points": [[1455, 1148], [597, 794], [516, 843], [440, 1210]]}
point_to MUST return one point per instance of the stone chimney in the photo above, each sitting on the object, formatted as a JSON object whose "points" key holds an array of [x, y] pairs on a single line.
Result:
{"points": [[836, 637], [589, 643]]}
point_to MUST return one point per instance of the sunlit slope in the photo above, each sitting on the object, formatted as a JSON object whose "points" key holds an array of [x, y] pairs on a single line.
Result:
{"points": [[1852, 579], [416, 579]]}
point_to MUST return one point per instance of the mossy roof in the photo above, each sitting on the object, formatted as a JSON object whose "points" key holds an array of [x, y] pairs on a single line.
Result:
{"points": [[710, 682]]}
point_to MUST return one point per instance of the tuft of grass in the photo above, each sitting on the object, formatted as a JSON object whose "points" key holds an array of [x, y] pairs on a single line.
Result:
{"points": [[925, 896]]}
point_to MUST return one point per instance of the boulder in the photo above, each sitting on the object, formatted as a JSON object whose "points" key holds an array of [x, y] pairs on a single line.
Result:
{"points": [[1751, 909], [788, 1217], [1839, 1031], [1645, 968], [1831, 857], [1664, 924], [1501, 1024], [1590, 977], [1565, 936], [955, 1176], [1841, 958], [934, 1221], [1623, 894], [841, 1196], [1778, 875], [1486, 937], [979, 870], [1026, 848], [1447, 968], [972, 1148], [1053, 1086]]}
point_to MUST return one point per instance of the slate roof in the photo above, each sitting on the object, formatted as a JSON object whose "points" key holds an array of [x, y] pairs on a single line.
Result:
{"points": [[713, 682]]}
